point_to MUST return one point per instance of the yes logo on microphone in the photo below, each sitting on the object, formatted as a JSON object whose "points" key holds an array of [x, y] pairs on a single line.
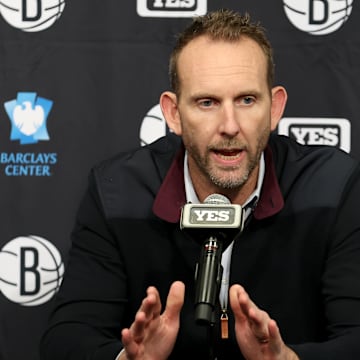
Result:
{"points": [[211, 216], [205, 216], [28, 115]]}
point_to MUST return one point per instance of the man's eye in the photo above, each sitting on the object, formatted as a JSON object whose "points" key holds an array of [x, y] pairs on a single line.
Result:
{"points": [[248, 100], [206, 103]]}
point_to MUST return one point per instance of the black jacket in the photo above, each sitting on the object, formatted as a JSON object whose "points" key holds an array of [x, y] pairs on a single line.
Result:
{"points": [[298, 257]]}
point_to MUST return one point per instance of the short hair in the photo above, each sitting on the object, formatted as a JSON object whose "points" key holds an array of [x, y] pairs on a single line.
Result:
{"points": [[226, 25]]}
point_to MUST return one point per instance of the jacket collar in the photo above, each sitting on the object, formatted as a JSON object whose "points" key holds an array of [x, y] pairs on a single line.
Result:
{"points": [[171, 196]]}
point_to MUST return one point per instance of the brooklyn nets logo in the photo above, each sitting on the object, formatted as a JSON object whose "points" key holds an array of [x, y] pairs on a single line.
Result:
{"points": [[31, 270], [153, 126], [318, 17], [31, 15]]}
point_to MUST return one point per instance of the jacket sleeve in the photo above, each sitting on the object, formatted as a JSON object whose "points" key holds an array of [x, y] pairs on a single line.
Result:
{"points": [[341, 284], [86, 320]]}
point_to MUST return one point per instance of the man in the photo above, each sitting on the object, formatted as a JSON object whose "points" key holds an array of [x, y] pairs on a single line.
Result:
{"points": [[290, 286]]}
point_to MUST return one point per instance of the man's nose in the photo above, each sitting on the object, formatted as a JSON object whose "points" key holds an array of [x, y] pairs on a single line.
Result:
{"points": [[229, 123]]}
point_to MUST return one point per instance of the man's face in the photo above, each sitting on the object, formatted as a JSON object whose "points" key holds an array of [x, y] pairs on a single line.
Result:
{"points": [[225, 110]]}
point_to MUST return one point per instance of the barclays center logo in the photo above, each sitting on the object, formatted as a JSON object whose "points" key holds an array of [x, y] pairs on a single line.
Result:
{"points": [[31, 15], [28, 114], [318, 17]]}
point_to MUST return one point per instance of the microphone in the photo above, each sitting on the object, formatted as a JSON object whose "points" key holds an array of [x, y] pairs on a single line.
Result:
{"points": [[215, 221]]}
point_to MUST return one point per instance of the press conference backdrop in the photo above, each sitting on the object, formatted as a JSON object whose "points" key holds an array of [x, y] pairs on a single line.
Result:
{"points": [[80, 80]]}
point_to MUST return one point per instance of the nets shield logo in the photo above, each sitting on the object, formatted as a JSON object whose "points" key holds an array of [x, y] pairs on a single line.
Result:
{"points": [[28, 115], [318, 17], [318, 131], [31, 270], [31, 15], [171, 8]]}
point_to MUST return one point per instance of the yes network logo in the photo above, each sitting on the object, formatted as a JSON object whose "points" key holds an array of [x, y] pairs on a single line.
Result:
{"points": [[171, 8], [28, 115], [318, 131]]}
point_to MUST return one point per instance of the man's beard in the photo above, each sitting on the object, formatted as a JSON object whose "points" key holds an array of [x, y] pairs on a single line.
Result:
{"points": [[232, 177]]}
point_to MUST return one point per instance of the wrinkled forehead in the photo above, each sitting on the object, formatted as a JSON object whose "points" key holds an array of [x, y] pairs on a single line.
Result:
{"points": [[204, 59]]}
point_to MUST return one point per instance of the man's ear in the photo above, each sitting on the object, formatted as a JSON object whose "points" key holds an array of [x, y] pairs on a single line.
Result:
{"points": [[169, 108], [278, 103]]}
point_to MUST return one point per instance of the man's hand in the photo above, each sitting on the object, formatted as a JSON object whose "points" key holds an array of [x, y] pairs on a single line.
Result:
{"points": [[152, 335], [258, 336]]}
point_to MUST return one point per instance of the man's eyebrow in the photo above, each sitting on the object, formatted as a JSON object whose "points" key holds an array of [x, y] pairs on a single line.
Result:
{"points": [[201, 95], [208, 95]]}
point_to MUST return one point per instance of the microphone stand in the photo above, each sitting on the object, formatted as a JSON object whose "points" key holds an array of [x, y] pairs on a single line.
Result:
{"points": [[210, 335], [208, 275]]}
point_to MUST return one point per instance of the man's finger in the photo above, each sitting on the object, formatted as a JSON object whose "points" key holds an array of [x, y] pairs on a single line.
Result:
{"points": [[175, 300], [246, 311], [150, 307], [129, 343], [238, 298]]}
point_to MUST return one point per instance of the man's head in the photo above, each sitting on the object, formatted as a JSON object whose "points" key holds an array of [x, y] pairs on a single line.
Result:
{"points": [[226, 25], [223, 105]]}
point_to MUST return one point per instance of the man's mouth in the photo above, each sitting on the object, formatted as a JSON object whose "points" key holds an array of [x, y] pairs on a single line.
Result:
{"points": [[228, 154]]}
